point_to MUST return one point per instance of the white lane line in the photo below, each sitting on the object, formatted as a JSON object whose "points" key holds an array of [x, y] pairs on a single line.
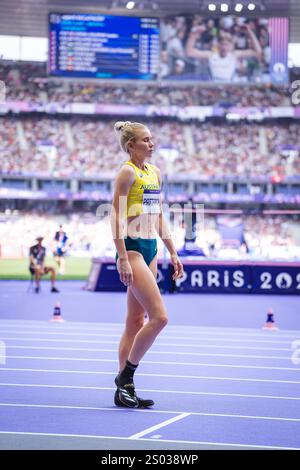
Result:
{"points": [[229, 366], [180, 392], [162, 338], [92, 408], [236, 379], [204, 327], [69, 326], [63, 358], [178, 376], [159, 426], [185, 327], [64, 333], [173, 329], [150, 410], [58, 348], [51, 340], [74, 324], [205, 443]]}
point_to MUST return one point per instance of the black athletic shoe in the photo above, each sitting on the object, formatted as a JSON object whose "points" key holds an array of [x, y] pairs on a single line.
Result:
{"points": [[53, 289], [126, 394], [37, 290], [141, 402]]}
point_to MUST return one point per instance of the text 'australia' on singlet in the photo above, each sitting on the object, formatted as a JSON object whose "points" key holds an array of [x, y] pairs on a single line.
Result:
{"points": [[144, 194]]}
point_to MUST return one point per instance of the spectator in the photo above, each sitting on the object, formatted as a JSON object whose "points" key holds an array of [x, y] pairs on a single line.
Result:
{"points": [[37, 266], [60, 247]]}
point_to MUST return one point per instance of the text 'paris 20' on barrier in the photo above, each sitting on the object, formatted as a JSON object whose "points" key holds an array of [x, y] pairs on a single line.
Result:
{"points": [[208, 277], [240, 277]]}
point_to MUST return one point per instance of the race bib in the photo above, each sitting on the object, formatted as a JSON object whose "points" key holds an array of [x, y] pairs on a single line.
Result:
{"points": [[151, 201]]}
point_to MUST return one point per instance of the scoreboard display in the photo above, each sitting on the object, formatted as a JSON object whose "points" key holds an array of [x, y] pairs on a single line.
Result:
{"points": [[103, 46]]}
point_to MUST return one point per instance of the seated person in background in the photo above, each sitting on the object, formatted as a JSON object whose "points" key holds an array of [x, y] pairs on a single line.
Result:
{"points": [[37, 257], [60, 249]]}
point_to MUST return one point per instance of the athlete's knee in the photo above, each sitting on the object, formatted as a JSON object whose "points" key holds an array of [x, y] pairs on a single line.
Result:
{"points": [[159, 321], [163, 321], [134, 325]]}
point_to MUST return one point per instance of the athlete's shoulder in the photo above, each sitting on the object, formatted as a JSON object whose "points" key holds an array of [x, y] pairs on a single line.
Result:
{"points": [[125, 177], [126, 170]]}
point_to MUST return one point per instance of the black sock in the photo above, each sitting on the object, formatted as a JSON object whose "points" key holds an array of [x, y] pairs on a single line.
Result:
{"points": [[126, 375]]}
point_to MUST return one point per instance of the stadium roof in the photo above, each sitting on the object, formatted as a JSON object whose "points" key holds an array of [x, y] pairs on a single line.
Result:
{"points": [[29, 17]]}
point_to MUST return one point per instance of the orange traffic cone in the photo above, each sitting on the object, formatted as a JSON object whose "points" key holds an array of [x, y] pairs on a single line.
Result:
{"points": [[270, 322], [57, 318]]}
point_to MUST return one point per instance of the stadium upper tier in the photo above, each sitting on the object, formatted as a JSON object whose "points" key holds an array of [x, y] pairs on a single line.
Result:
{"points": [[86, 147], [29, 82]]}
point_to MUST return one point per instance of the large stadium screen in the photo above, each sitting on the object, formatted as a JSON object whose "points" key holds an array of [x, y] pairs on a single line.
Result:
{"points": [[226, 49], [103, 46]]}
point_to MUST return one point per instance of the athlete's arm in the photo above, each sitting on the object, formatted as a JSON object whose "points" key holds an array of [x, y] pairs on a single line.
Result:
{"points": [[123, 183], [256, 50], [190, 49], [66, 245], [42, 260], [165, 234], [32, 260]]}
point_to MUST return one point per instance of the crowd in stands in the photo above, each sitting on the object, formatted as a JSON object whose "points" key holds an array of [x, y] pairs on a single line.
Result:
{"points": [[88, 148], [272, 237], [265, 237], [29, 82], [246, 150], [170, 95]]}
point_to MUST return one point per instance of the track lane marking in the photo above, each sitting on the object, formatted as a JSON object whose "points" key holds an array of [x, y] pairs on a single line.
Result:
{"points": [[159, 426], [123, 410], [180, 392], [91, 436], [175, 376]]}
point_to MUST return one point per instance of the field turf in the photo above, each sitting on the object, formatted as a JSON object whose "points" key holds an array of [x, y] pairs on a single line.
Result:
{"points": [[76, 268]]}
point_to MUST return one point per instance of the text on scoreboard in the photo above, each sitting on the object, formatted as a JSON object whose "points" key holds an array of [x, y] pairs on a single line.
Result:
{"points": [[103, 46]]}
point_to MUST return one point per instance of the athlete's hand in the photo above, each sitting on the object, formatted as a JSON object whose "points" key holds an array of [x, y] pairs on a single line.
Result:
{"points": [[246, 28], [125, 271], [178, 267], [197, 30]]}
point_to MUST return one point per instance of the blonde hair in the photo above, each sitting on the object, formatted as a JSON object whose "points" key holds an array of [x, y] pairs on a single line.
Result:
{"points": [[126, 132]]}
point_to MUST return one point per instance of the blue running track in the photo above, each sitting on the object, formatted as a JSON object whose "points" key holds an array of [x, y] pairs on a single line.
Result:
{"points": [[215, 386]]}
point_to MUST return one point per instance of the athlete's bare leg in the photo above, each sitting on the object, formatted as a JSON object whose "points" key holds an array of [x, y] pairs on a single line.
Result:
{"points": [[134, 320], [145, 290]]}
